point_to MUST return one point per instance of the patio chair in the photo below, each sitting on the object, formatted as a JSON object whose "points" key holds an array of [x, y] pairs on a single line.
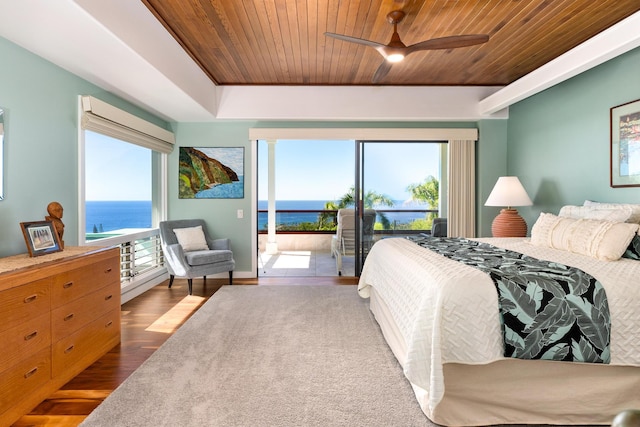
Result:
{"points": [[189, 251], [344, 241], [439, 227]]}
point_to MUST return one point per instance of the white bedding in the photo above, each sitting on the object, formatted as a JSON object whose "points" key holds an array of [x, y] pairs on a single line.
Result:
{"points": [[447, 312]]}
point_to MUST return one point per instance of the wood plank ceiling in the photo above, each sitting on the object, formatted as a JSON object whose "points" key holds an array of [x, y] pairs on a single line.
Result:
{"points": [[282, 42]]}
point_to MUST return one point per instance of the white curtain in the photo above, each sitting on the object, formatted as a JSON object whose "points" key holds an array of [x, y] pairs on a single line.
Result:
{"points": [[461, 206]]}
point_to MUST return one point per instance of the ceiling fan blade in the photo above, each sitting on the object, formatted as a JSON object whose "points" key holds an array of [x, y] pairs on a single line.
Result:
{"points": [[355, 40], [382, 71], [450, 42]]}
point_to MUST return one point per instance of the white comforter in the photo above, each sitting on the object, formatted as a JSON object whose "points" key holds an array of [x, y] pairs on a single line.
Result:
{"points": [[447, 311]]}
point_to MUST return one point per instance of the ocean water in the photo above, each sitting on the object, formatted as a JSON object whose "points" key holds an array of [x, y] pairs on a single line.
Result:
{"points": [[114, 215]]}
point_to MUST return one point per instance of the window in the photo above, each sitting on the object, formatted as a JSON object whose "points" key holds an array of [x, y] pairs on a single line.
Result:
{"points": [[118, 186], [122, 190], [122, 171]]}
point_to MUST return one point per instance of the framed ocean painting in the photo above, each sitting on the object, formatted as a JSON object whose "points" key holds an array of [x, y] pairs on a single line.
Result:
{"points": [[211, 173], [625, 145]]}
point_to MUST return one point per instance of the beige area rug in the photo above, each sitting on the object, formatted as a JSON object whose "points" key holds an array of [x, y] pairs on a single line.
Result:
{"points": [[269, 356]]}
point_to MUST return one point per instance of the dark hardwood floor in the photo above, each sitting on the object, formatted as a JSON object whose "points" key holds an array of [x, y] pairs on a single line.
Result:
{"points": [[147, 322]]}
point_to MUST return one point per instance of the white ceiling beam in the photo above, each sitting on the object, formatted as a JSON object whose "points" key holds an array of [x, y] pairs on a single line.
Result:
{"points": [[117, 45], [353, 103], [614, 41]]}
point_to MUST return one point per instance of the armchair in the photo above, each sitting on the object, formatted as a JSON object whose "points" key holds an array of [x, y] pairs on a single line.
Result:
{"points": [[190, 251]]}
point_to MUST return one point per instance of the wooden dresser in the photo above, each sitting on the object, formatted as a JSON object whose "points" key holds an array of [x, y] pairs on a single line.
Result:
{"points": [[59, 313]]}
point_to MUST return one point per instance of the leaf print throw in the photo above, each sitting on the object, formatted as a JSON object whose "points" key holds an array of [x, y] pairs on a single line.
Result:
{"points": [[547, 310]]}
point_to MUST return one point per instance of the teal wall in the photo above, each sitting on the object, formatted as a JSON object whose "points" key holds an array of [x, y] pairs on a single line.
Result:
{"points": [[41, 153], [221, 214], [491, 163], [41, 142], [558, 140]]}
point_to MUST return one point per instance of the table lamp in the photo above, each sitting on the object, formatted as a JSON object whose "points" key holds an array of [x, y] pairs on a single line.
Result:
{"points": [[508, 192]]}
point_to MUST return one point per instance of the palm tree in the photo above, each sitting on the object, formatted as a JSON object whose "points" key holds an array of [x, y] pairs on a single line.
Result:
{"points": [[428, 192], [370, 199], [327, 220]]}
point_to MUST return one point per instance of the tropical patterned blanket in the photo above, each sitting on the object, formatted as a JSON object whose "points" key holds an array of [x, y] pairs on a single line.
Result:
{"points": [[547, 310]]}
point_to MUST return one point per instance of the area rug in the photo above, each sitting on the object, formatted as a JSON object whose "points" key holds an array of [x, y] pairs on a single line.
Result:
{"points": [[269, 356]]}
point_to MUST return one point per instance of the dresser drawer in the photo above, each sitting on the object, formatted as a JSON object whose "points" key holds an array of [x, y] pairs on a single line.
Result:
{"points": [[74, 284], [24, 340], [77, 351], [21, 303], [20, 381], [68, 318]]}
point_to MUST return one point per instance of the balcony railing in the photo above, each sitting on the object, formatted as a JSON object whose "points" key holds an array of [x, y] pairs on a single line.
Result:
{"points": [[140, 252]]}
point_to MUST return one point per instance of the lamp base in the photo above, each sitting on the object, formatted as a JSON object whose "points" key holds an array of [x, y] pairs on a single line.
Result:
{"points": [[509, 224]]}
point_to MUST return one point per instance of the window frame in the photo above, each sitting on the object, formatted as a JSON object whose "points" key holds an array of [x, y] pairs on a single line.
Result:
{"points": [[128, 124]]}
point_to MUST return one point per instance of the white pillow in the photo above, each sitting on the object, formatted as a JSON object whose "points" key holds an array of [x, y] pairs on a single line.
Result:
{"points": [[604, 240], [635, 209], [618, 214], [541, 230], [191, 238]]}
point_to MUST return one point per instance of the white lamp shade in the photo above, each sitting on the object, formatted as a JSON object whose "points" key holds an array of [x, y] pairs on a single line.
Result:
{"points": [[508, 191]]}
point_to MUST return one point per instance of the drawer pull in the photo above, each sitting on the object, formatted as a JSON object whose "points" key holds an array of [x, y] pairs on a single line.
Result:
{"points": [[31, 372], [69, 349], [108, 297], [30, 298], [68, 317], [108, 270], [30, 336], [109, 323], [67, 285]]}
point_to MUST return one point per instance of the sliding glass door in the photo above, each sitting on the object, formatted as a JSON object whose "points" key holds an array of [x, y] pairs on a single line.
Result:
{"points": [[395, 188], [403, 185]]}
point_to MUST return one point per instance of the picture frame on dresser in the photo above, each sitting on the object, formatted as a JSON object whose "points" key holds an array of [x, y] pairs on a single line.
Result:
{"points": [[40, 237], [625, 145]]}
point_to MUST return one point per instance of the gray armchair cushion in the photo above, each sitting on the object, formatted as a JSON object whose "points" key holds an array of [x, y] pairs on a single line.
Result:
{"points": [[208, 257]]}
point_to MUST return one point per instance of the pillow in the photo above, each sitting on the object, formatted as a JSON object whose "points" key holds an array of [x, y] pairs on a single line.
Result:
{"points": [[635, 209], [541, 230], [633, 251], [620, 214], [191, 238], [604, 240]]}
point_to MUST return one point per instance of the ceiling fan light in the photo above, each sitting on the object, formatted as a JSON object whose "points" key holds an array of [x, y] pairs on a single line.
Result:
{"points": [[395, 57]]}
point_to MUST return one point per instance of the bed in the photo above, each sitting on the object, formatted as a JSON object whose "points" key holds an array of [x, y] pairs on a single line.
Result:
{"points": [[440, 317]]}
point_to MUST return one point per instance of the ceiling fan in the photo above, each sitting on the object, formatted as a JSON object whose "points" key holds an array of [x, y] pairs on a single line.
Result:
{"points": [[396, 51]]}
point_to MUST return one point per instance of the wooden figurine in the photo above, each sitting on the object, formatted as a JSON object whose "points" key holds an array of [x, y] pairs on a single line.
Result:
{"points": [[55, 215]]}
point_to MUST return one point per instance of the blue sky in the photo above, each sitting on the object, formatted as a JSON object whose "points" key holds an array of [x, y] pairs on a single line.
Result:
{"points": [[116, 170], [305, 170], [324, 170]]}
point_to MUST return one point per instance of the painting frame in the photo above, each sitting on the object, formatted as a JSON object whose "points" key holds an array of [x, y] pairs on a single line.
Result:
{"points": [[211, 172], [40, 237], [624, 170]]}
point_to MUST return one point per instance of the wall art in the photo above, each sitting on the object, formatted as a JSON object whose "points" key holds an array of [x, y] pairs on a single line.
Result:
{"points": [[211, 173], [625, 145]]}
